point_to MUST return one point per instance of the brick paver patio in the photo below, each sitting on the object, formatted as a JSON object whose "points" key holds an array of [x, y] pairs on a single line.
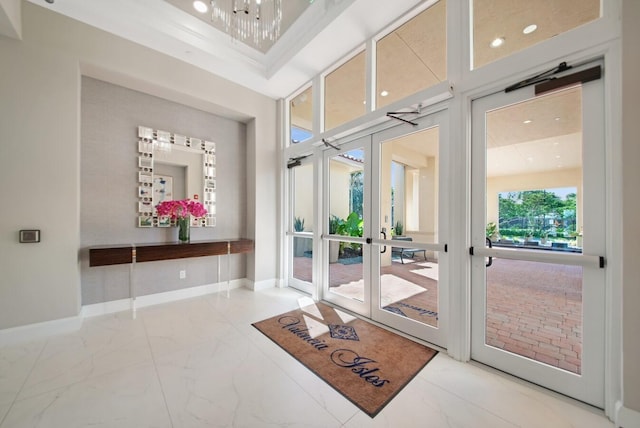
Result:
{"points": [[533, 309]]}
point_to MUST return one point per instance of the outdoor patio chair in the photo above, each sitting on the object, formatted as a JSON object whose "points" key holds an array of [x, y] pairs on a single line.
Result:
{"points": [[406, 252]]}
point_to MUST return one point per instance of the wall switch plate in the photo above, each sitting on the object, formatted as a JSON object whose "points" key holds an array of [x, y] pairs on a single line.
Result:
{"points": [[183, 274], [30, 236]]}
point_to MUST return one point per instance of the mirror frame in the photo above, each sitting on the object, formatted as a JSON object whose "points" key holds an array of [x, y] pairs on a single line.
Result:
{"points": [[151, 139]]}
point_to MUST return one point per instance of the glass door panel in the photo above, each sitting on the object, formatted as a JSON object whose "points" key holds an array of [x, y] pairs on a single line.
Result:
{"points": [[409, 276], [410, 290], [535, 310], [534, 196], [409, 261], [302, 260], [537, 287], [347, 281], [302, 201]]}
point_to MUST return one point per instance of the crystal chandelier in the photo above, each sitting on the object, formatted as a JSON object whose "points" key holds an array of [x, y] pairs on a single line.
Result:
{"points": [[255, 21]]}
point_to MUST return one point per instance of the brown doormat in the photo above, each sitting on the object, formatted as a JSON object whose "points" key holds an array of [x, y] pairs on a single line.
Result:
{"points": [[365, 363]]}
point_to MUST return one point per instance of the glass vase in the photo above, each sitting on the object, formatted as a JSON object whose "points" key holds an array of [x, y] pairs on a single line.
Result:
{"points": [[184, 228]]}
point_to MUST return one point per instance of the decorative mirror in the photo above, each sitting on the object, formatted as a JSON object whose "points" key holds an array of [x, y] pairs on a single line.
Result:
{"points": [[174, 167]]}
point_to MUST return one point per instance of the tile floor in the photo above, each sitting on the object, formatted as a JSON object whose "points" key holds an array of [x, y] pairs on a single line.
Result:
{"points": [[200, 363]]}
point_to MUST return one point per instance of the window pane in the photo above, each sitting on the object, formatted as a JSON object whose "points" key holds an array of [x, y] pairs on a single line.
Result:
{"points": [[302, 259], [345, 207], [302, 262], [413, 57], [409, 285], [535, 310], [517, 24], [409, 176], [344, 93], [301, 110], [534, 202], [303, 198], [534, 173], [539, 218]]}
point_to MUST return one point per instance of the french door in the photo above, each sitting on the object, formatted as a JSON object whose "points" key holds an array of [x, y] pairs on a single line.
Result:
{"points": [[385, 198], [538, 237]]}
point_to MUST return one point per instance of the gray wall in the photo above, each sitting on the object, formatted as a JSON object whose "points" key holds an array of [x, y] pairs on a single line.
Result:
{"points": [[110, 118], [631, 201], [40, 148]]}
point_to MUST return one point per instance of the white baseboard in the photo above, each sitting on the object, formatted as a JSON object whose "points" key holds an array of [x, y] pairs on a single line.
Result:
{"points": [[186, 293], [41, 330], [262, 285], [30, 332], [104, 308], [625, 417], [159, 298]]}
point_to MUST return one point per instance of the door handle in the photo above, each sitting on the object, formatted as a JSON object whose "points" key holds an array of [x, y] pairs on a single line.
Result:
{"points": [[384, 236], [490, 245]]}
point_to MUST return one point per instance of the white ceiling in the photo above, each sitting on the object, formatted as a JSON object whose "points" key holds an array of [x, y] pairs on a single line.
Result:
{"points": [[326, 31]]}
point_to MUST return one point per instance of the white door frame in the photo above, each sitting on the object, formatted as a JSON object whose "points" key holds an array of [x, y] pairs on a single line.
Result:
{"points": [[438, 336], [589, 386], [371, 215], [363, 308]]}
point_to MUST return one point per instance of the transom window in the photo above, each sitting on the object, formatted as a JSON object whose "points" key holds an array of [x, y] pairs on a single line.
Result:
{"points": [[413, 57]]}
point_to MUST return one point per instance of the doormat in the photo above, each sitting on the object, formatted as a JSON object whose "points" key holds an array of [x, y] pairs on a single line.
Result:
{"points": [[365, 363]]}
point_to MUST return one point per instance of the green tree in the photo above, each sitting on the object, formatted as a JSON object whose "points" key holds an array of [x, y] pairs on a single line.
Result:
{"points": [[356, 193], [511, 211], [568, 212], [530, 211], [538, 205]]}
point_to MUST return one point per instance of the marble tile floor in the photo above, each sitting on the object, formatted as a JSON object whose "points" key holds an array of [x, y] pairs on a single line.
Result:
{"points": [[200, 363]]}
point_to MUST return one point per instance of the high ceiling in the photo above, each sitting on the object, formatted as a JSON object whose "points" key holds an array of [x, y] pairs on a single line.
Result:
{"points": [[291, 11], [324, 32], [317, 34]]}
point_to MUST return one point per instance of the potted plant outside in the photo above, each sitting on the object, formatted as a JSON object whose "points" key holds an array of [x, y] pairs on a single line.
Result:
{"points": [[491, 231], [398, 230], [299, 244]]}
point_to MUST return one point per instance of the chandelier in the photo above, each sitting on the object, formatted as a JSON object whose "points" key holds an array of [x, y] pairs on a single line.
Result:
{"points": [[254, 21]]}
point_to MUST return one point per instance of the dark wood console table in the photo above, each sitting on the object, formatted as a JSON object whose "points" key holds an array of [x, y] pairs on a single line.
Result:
{"points": [[138, 253]]}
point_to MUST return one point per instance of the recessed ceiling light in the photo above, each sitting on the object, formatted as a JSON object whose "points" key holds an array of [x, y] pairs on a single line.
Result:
{"points": [[384, 93], [557, 156], [497, 42], [200, 6], [527, 121], [530, 29], [556, 119]]}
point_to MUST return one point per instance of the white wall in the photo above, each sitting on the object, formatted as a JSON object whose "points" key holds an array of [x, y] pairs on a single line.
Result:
{"points": [[340, 179], [304, 194], [429, 192], [39, 121]]}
